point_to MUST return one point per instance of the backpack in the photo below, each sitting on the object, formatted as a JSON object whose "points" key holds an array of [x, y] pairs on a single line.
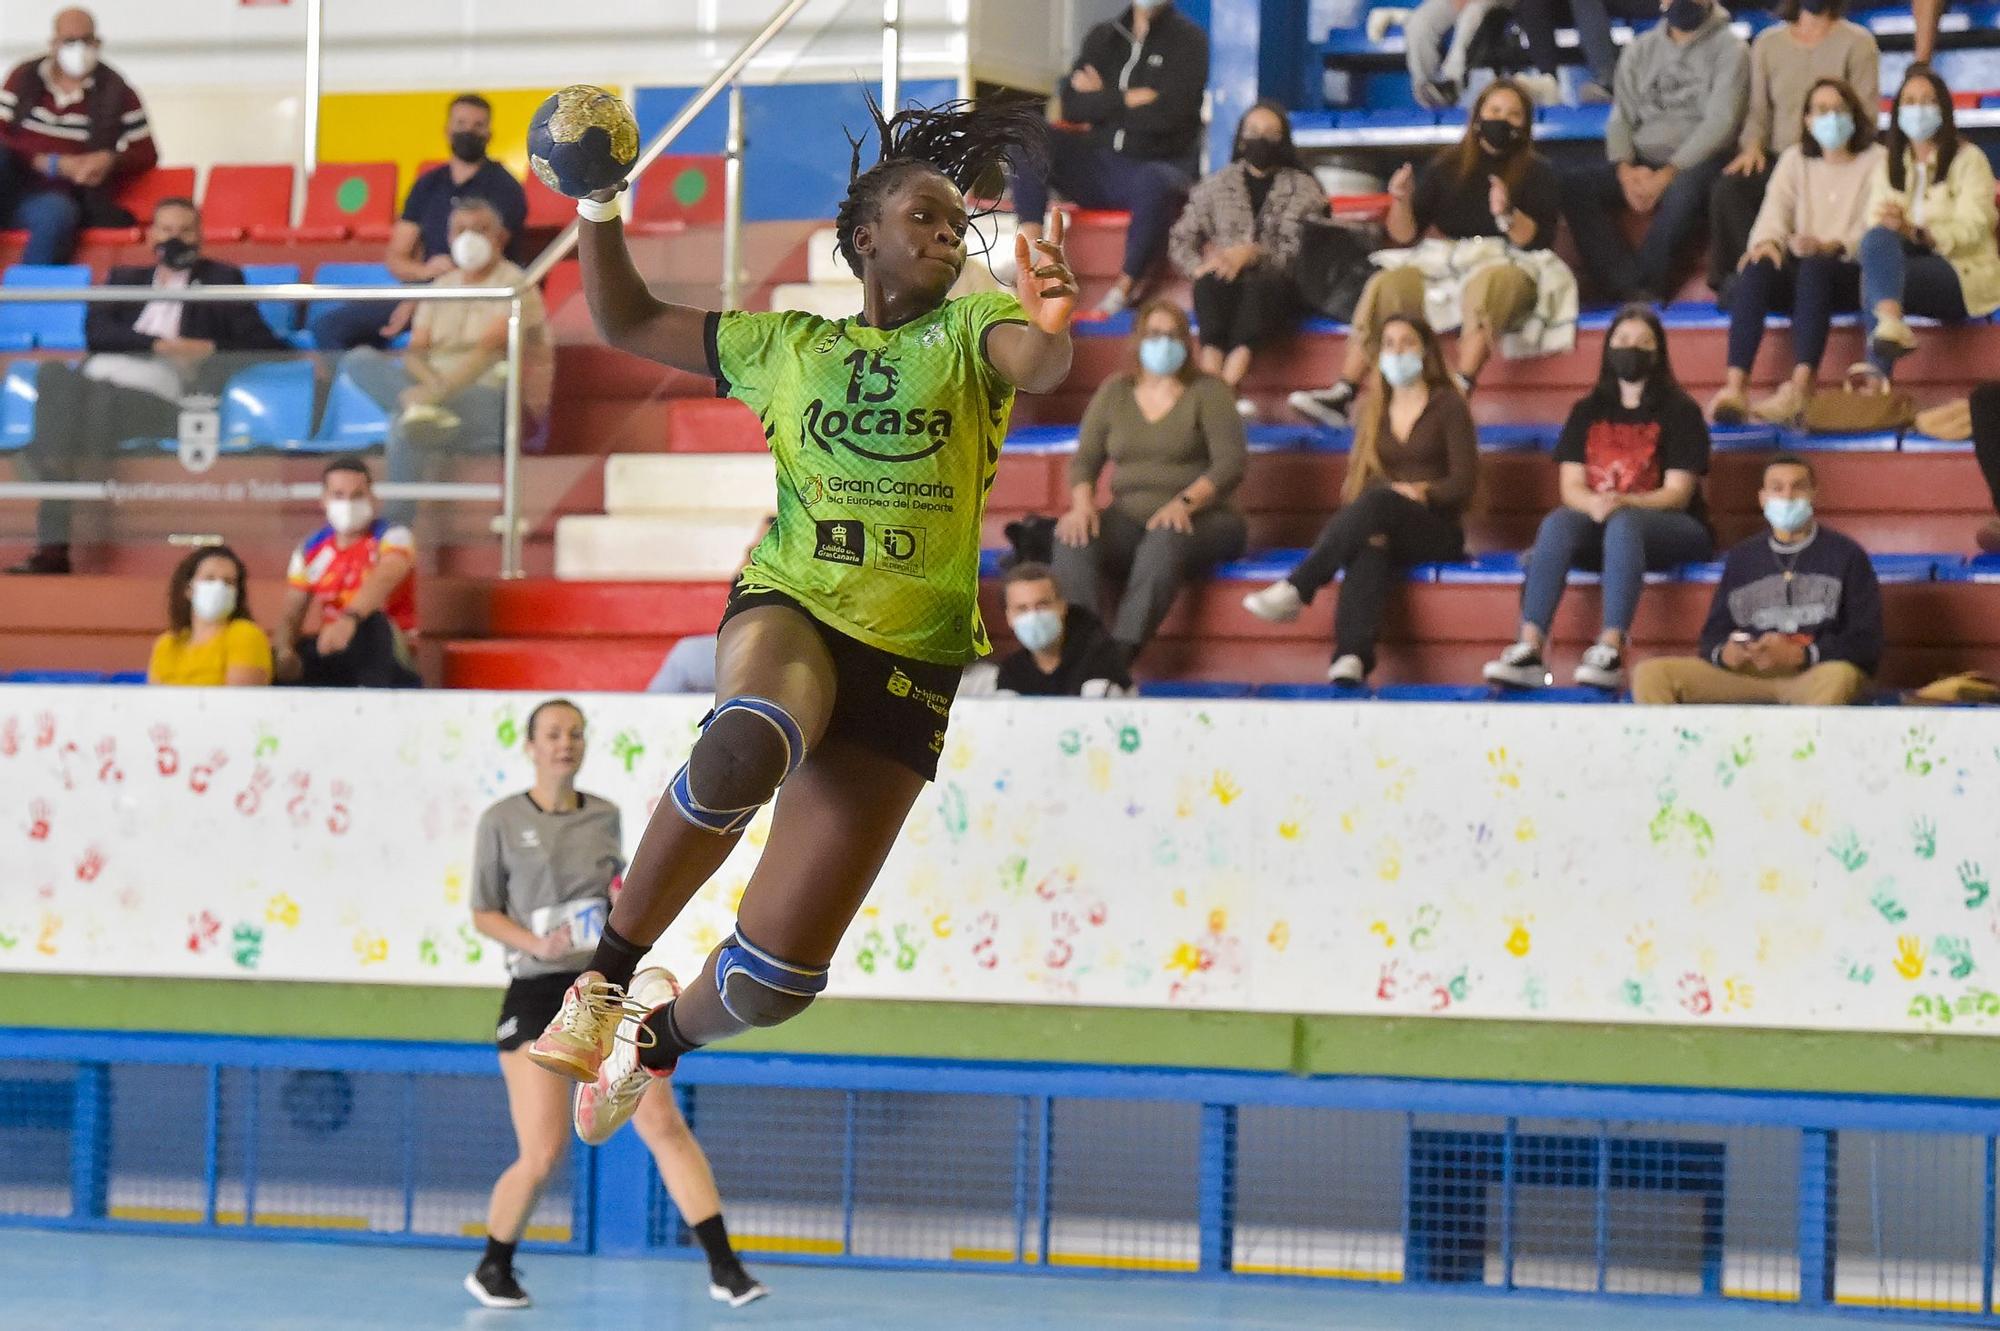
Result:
{"points": [[1333, 267]]}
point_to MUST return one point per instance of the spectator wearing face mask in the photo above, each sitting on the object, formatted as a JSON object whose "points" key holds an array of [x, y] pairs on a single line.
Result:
{"points": [[420, 245], [1175, 465], [350, 604], [1064, 652], [144, 359], [1239, 240], [71, 131], [1797, 617], [448, 393], [213, 640], [1679, 98]]}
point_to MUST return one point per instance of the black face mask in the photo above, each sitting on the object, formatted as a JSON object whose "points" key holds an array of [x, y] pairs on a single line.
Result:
{"points": [[469, 147], [1631, 365], [1686, 15], [178, 254], [1499, 136], [1815, 6], [1263, 154]]}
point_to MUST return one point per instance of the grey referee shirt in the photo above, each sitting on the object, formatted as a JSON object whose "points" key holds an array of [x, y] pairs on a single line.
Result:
{"points": [[542, 869]]}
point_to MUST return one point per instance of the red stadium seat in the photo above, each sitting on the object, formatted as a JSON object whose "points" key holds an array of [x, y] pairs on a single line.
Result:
{"points": [[253, 201], [349, 200], [547, 210], [679, 192], [139, 196]]}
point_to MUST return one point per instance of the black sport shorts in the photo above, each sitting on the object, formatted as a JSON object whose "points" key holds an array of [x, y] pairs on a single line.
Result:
{"points": [[888, 704], [530, 1005]]}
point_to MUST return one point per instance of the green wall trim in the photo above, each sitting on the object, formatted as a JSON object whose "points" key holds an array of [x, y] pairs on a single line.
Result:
{"points": [[1750, 1059]]}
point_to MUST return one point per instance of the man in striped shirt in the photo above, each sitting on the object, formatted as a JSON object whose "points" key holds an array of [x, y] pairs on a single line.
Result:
{"points": [[71, 131]]}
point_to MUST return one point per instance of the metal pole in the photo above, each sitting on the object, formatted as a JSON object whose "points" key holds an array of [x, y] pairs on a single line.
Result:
{"points": [[309, 155], [732, 203], [892, 55], [510, 464], [559, 248]]}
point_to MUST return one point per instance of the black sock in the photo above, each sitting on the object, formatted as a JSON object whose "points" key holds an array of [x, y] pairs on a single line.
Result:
{"points": [[668, 1042], [617, 957], [498, 1254], [713, 1236]]}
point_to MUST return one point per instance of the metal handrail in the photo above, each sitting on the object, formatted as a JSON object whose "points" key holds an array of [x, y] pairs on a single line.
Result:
{"points": [[220, 295]]}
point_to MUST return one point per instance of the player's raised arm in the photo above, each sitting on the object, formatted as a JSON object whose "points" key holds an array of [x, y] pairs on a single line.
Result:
{"points": [[1035, 356], [627, 314]]}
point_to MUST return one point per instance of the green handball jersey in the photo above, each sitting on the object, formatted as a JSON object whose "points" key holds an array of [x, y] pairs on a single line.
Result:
{"points": [[887, 443]]}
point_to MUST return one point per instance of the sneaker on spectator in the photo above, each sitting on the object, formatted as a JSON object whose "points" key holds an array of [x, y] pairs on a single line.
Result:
{"points": [[1439, 96], [1787, 406], [1279, 603], [1246, 408], [1347, 671], [1328, 406], [1728, 407], [1593, 93], [1546, 89], [1602, 667], [1113, 303], [1519, 667], [1893, 339]]}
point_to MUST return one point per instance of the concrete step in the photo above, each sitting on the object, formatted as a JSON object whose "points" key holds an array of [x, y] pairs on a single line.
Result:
{"points": [[690, 484], [694, 548]]}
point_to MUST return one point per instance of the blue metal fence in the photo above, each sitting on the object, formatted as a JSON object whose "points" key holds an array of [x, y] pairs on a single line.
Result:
{"points": [[1861, 1203]]}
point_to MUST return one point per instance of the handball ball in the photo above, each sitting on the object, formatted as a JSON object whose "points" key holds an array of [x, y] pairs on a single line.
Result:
{"points": [[581, 140]]}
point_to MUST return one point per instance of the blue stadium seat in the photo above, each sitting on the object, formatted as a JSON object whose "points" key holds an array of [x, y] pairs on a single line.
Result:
{"points": [[353, 420], [1118, 325], [1906, 568], [1923, 443], [1743, 438], [268, 406], [1042, 439], [1878, 441], [1193, 688], [56, 677], [17, 406], [342, 274], [55, 326], [1313, 692], [282, 315]]}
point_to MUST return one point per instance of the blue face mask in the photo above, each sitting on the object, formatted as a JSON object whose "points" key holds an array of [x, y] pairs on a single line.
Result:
{"points": [[1163, 355], [1831, 129], [1037, 630], [1919, 120], [1400, 368], [1788, 515]]}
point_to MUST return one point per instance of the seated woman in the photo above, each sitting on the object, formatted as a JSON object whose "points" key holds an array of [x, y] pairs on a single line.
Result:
{"points": [[213, 641], [1491, 185], [1412, 472], [1802, 252], [1632, 455], [1177, 449], [1239, 241], [1929, 249], [449, 392]]}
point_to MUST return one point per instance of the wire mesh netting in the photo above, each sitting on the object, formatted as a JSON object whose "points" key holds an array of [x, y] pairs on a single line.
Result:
{"points": [[36, 1103], [1319, 1193], [1909, 1223]]}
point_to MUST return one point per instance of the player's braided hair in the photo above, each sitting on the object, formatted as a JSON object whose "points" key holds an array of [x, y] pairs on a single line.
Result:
{"points": [[965, 144]]}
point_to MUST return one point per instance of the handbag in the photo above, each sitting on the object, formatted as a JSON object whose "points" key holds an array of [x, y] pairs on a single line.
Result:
{"points": [[1850, 409], [1950, 420], [1333, 267]]}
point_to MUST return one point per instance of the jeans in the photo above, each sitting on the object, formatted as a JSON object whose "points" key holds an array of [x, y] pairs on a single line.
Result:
{"points": [[1814, 289], [481, 410], [1628, 545], [1537, 20], [1261, 304], [51, 218], [1154, 564], [351, 324], [1091, 175], [1379, 532], [1591, 197], [1923, 280], [1437, 36]]}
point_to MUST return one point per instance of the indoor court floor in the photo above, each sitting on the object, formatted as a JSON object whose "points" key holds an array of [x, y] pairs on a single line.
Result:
{"points": [[84, 1282]]}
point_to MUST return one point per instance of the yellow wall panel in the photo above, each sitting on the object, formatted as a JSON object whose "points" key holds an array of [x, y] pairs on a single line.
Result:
{"points": [[407, 128]]}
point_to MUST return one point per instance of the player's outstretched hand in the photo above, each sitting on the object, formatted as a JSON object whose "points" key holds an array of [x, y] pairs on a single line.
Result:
{"points": [[1045, 286]]}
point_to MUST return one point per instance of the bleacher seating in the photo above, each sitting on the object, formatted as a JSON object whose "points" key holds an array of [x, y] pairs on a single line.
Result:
{"points": [[346, 200], [282, 315], [49, 325], [252, 201]]}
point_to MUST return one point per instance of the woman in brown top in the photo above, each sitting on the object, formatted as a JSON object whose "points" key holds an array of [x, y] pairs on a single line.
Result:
{"points": [[1178, 448], [1411, 475]]}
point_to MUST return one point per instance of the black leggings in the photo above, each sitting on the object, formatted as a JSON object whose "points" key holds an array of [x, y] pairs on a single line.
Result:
{"points": [[370, 661], [1379, 532], [1985, 403], [1256, 307]]}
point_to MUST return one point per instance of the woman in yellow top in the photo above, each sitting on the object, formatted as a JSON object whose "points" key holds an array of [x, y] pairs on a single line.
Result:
{"points": [[213, 640]]}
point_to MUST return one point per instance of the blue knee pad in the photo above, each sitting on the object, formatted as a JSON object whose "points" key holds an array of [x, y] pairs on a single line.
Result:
{"points": [[724, 821], [760, 990]]}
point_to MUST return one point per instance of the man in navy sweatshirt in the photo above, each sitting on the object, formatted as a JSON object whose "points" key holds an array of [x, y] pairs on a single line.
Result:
{"points": [[1797, 618]]}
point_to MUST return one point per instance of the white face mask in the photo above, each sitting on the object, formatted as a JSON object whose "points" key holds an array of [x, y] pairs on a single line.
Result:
{"points": [[76, 59], [1037, 630], [349, 516], [213, 599], [471, 251]]}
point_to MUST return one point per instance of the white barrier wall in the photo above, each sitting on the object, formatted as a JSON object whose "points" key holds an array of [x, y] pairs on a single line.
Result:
{"points": [[1736, 867]]}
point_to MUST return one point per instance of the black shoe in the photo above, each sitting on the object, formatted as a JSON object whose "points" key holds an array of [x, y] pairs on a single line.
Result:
{"points": [[47, 559], [496, 1286], [734, 1286]]}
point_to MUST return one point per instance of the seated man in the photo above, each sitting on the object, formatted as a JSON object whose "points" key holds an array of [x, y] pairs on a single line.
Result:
{"points": [[420, 245], [145, 359], [1680, 95], [1064, 650], [1797, 617], [71, 131], [1138, 86], [351, 603], [449, 391]]}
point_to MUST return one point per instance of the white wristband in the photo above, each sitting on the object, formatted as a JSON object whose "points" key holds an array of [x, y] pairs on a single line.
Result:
{"points": [[590, 210]]}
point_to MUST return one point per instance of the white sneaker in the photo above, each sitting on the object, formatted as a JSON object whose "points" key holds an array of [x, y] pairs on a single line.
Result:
{"points": [[1279, 603], [1246, 408], [1328, 406], [1519, 667], [1602, 667], [1546, 89], [1114, 303], [603, 1106], [1348, 672], [741, 1288]]}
